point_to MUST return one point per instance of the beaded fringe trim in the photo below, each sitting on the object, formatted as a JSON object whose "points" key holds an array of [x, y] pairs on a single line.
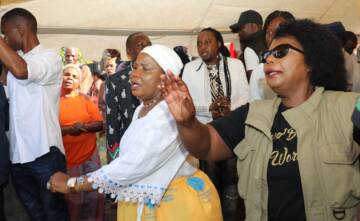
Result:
{"points": [[148, 194]]}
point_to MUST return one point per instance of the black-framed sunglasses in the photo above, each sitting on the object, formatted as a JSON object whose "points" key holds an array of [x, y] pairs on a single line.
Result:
{"points": [[279, 51]]}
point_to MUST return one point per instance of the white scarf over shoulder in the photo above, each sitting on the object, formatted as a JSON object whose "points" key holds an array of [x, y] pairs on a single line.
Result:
{"points": [[150, 156]]}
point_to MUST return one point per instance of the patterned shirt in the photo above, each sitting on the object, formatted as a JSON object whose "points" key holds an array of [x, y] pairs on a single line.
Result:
{"points": [[120, 107]]}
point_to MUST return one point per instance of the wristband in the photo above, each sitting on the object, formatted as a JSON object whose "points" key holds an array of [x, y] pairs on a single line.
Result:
{"points": [[71, 183]]}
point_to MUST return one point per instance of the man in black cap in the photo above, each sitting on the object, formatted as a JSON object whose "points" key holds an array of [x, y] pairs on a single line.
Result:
{"points": [[249, 29]]}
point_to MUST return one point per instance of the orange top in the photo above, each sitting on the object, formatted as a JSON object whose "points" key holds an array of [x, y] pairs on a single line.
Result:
{"points": [[78, 109]]}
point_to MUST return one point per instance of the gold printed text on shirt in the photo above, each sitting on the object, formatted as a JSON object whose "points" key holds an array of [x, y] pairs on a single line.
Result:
{"points": [[290, 134], [280, 158]]}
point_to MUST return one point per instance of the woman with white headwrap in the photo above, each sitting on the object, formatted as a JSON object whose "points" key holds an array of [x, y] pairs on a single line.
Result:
{"points": [[152, 168]]}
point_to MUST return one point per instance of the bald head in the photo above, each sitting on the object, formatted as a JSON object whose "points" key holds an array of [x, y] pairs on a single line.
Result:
{"points": [[71, 55], [135, 43]]}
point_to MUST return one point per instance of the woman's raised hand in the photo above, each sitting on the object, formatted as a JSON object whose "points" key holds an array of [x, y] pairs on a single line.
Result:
{"points": [[177, 96]]}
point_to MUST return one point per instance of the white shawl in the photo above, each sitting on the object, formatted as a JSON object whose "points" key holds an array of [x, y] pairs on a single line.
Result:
{"points": [[150, 156]]}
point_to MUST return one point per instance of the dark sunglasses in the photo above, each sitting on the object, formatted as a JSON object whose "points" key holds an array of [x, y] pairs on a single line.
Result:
{"points": [[279, 51]]}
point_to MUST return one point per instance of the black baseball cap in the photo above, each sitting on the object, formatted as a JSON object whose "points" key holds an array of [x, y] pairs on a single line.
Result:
{"points": [[249, 16]]}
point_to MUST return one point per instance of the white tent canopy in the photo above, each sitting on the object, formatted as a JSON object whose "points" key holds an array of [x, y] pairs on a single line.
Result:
{"points": [[93, 25]]}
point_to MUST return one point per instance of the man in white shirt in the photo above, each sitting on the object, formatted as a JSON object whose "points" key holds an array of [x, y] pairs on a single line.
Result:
{"points": [[217, 84], [36, 149]]}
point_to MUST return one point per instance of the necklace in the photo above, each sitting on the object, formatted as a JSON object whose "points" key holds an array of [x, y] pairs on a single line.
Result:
{"points": [[152, 102], [212, 67]]}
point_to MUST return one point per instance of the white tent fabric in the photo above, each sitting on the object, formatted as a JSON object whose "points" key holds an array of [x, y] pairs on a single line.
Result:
{"points": [[93, 25]]}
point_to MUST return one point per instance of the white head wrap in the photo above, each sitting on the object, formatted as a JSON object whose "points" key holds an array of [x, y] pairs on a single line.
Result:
{"points": [[165, 57], [146, 173]]}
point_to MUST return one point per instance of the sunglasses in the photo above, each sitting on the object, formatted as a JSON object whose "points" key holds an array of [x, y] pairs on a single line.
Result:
{"points": [[279, 51]]}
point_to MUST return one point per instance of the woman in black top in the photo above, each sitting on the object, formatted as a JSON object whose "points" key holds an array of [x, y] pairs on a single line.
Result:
{"points": [[302, 57]]}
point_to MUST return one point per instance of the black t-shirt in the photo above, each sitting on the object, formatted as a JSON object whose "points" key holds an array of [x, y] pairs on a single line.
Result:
{"points": [[231, 128], [285, 201]]}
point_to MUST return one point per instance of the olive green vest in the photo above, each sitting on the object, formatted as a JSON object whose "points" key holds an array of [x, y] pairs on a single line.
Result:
{"points": [[327, 156]]}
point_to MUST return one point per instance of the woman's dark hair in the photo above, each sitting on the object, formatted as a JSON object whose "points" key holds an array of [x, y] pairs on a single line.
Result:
{"points": [[223, 49], [180, 51], [113, 53], [349, 36], [97, 73], [287, 16], [322, 52]]}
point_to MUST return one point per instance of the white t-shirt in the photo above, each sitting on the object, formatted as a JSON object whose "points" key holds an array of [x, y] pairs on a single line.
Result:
{"points": [[34, 106], [251, 59]]}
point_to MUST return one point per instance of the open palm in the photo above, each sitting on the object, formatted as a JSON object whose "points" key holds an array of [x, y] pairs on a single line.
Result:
{"points": [[177, 96]]}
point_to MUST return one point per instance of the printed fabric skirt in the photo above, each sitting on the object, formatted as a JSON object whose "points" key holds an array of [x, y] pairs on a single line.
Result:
{"points": [[188, 198], [86, 206]]}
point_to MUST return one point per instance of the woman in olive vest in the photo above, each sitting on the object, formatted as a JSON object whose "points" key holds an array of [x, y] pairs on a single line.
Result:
{"points": [[297, 154]]}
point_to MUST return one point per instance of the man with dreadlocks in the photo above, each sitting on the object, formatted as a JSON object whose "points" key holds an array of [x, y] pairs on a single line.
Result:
{"points": [[217, 85]]}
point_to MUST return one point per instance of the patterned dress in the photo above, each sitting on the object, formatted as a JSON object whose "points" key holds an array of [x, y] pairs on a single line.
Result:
{"points": [[120, 107]]}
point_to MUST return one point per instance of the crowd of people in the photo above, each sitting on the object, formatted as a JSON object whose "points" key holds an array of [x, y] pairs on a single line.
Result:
{"points": [[272, 134]]}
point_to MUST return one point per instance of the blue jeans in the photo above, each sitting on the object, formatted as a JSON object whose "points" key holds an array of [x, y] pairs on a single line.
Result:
{"points": [[30, 184]]}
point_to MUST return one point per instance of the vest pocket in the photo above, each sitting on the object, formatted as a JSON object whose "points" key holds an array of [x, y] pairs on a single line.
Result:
{"points": [[341, 153], [340, 172], [245, 153]]}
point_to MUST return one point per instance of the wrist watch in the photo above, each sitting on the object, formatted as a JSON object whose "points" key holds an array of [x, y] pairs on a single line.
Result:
{"points": [[71, 183]]}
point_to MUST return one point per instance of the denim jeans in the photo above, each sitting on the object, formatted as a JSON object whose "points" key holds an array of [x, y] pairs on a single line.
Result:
{"points": [[30, 184]]}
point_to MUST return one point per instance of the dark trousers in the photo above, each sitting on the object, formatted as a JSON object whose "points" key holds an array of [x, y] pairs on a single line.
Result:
{"points": [[224, 176], [30, 184], [2, 209]]}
